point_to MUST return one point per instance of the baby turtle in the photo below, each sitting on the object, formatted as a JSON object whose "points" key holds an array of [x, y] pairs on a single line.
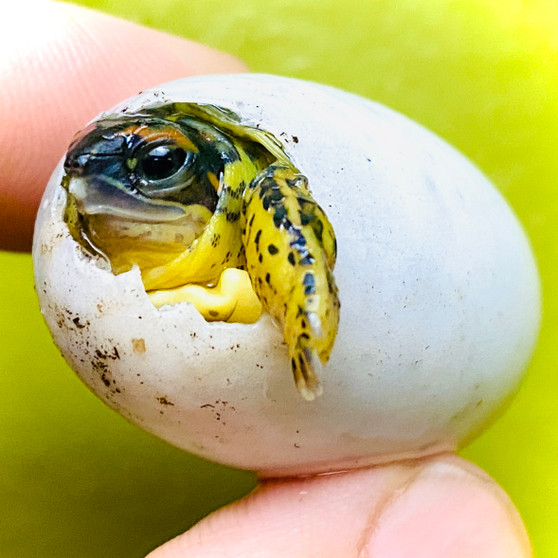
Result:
{"points": [[185, 191]]}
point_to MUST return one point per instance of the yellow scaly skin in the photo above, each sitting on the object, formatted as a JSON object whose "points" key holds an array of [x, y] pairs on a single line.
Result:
{"points": [[264, 220]]}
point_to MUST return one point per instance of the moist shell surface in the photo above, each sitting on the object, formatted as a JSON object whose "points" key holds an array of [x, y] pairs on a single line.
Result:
{"points": [[438, 287]]}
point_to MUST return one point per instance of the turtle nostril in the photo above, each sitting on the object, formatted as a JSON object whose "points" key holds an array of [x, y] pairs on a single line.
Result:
{"points": [[73, 166]]}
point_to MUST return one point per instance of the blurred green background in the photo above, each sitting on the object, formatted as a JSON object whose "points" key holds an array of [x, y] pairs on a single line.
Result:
{"points": [[77, 480]]}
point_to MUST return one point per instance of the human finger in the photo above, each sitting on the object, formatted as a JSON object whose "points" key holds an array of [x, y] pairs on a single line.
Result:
{"points": [[436, 507]]}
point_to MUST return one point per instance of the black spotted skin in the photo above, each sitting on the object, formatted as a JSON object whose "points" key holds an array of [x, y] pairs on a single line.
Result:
{"points": [[290, 254]]}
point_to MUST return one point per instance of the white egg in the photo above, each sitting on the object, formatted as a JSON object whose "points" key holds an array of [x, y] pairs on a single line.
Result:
{"points": [[440, 301]]}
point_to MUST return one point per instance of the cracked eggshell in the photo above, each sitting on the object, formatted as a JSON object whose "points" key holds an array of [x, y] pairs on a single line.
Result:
{"points": [[439, 300]]}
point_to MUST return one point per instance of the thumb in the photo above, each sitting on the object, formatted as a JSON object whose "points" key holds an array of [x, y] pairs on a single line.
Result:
{"points": [[436, 507], [58, 71]]}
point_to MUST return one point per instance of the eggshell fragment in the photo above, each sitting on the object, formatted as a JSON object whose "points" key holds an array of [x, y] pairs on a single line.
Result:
{"points": [[440, 301]]}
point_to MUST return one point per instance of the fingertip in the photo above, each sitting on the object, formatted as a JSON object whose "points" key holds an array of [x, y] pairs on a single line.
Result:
{"points": [[449, 509]]}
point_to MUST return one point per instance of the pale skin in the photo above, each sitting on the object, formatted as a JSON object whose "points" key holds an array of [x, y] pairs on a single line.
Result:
{"points": [[57, 72]]}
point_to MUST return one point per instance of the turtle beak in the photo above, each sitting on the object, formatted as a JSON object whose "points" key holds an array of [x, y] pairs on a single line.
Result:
{"points": [[106, 195]]}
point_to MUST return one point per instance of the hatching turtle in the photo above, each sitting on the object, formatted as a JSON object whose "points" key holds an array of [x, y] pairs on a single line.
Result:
{"points": [[185, 191]]}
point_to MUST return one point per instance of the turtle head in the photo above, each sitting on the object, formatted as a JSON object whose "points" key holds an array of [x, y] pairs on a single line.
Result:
{"points": [[142, 168], [139, 184]]}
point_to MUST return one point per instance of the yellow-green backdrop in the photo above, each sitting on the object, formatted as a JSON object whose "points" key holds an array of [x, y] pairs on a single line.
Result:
{"points": [[76, 480]]}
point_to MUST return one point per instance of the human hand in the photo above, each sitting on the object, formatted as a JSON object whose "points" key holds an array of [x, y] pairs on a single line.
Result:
{"points": [[62, 72]]}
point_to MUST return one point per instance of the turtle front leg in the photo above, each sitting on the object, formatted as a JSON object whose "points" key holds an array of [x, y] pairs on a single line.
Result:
{"points": [[290, 253]]}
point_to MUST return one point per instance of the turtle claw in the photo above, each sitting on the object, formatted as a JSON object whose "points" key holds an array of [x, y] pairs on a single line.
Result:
{"points": [[306, 367]]}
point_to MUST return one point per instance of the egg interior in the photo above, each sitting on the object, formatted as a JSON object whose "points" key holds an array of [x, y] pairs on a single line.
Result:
{"points": [[232, 300]]}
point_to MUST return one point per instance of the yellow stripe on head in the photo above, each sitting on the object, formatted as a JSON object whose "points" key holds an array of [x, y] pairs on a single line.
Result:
{"points": [[153, 133]]}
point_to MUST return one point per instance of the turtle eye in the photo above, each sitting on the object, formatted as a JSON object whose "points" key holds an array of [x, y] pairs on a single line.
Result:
{"points": [[161, 162]]}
